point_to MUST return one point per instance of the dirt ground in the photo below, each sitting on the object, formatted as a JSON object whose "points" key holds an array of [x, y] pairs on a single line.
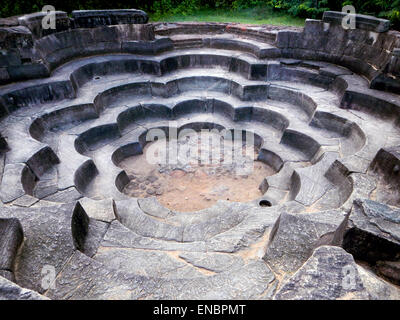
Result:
{"points": [[195, 186]]}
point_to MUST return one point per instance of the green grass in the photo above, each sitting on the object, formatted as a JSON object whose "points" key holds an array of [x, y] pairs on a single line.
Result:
{"points": [[247, 16]]}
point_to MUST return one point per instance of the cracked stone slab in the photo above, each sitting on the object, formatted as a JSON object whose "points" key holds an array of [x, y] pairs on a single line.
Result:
{"points": [[362, 21], [47, 184], [130, 215], [332, 274], [48, 241], [215, 262], [102, 210], [363, 186], [7, 275], [294, 237], [11, 237], [313, 184], [25, 201], [218, 224], [154, 264], [374, 232], [152, 207], [64, 196], [17, 180], [377, 288], [250, 230], [11, 291], [95, 234], [389, 270], [323, 277], [120, 236], [247, 282], [85, 278]]}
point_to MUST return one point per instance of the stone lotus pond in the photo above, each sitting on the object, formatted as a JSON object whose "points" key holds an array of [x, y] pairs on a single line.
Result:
{"points": [[79, 194]]}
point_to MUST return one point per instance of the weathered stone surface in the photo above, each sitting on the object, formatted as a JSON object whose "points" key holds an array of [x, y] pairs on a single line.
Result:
{"points": [[362, 21], [60, 47], [9, 275], [152, 207], [49, 241], [95, 234], [94, 18], [84, 277], [153, 264], [33, 22], [385, 82], [312, 180], [9, 21], [204, 230], [11, 237], [25, 201], [251, 230], [329, 274], [121, 237], [332, 274], [387, 164], [64, 196], [374, 233], [17, 181], [4, 75], [215, 262], [102, 210], [294, 236], [47, 185], [15, 37], [11, 291], [377, 288], [247, 282], [131, 216], [390, 270], [148, 47]]}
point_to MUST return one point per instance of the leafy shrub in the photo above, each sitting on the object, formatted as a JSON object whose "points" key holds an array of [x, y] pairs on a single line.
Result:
{"points": [[184, 7], [309, 9]]}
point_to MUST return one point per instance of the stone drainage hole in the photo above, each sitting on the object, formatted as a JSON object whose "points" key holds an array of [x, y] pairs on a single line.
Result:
{"points": [[265, 203]]}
